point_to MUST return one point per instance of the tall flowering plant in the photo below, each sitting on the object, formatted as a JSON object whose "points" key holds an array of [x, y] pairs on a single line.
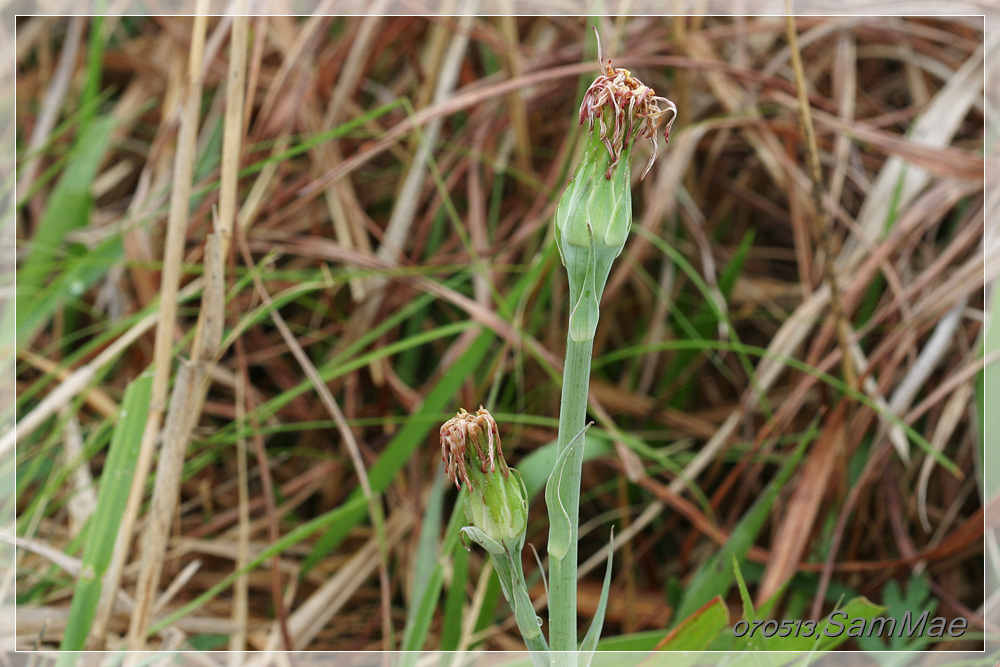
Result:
{"points": [[592, 223]]}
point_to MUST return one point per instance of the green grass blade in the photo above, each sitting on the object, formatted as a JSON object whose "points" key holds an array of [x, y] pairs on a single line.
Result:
{"points": [[426, 577], [454, 603], [589, 644], [700, 629], [95, 57], [115, 482], [705, 322], [757, 642], [80, 273], [68, 209], [421, 614]]}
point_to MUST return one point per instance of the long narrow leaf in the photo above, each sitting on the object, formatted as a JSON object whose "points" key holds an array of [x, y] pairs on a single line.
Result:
{"points": [[589, 644], [68, 208], [425, 573], [115, 483]]}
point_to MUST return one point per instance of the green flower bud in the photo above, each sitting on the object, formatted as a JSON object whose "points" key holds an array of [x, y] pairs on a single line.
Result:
{"points": [[593, 219], [595, 212], [496, 501]]}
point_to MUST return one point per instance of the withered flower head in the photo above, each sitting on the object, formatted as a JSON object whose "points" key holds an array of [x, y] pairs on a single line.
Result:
{"points": [[633, 108], [481, 431], [496, 502]]}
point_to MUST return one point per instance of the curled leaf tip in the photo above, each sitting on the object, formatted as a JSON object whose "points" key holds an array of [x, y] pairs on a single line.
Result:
{"points": [[632, 107]]}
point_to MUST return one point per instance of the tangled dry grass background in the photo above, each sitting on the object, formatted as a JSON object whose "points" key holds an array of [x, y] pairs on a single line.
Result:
{"points": [[381, 192]]}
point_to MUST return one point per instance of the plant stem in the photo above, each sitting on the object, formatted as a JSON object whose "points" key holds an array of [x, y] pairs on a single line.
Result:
{"points": [[524, 613], [562, 572]]}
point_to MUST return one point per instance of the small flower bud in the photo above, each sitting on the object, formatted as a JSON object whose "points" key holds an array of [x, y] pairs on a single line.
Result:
{"points": [[496, 501]]}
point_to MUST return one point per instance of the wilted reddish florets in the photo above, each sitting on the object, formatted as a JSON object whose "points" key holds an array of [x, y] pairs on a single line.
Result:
{"points": [[482, 431], [634, 107]]}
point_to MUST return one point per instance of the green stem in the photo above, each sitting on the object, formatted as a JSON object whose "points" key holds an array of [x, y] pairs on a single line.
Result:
{"points": [[562, 572], [515, 589], [524, 613]]}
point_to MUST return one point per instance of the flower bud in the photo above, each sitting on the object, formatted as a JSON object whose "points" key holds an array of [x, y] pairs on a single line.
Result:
{"points": [[496, 500], [594, 215]]}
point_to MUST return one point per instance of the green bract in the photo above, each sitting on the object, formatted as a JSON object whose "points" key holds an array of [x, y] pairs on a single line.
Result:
{"points": [[592, 223]]}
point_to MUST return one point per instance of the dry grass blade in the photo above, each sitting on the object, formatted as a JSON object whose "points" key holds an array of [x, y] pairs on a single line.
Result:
{"points": [[896, 184], [85, 498], [241, 590], [95, 397], [232, 139], [170, 280], [845, 84], [955, 409], [822, 233], [799, 519], [931, 354], [190, 387], [53, 100], [228, 180], [340, 197], [176, 434]]}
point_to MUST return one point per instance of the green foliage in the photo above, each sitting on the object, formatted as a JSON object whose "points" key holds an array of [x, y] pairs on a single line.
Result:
{"points": [[703, 324], [424, 571], [454, 617], [208, 642], [429, 572], [589, 644], [68, 208], [916, 599], [698, 631], [116, 480]]}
